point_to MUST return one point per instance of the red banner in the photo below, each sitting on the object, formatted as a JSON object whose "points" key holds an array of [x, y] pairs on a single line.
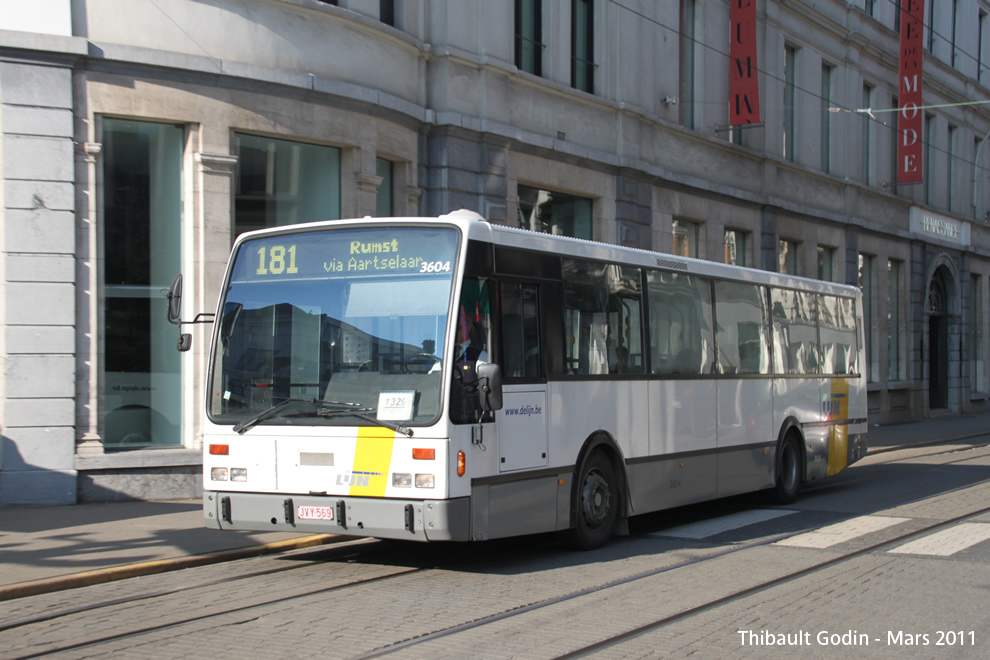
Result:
{"points": [[744, 88], [909, 114]]}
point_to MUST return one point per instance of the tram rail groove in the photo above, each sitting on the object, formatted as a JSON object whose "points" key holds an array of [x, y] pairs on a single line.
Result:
{"points": [[522, 609]]}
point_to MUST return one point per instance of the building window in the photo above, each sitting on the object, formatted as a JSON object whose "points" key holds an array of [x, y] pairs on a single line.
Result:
{"points": [[529, 36], [383, 197], [279, 182], [870, 7], [896, 369], [735, 246], [894, 101], [554, 213], [826, 141], [688, 47], [826, 257], [977, 366], [787, 254], [867, 136], [790, 57], [955, 15], [583, 45], [981, 48], [926, 166], [386, 12], [686, 238], [142, 239], [930, 26], [866, 285], [953, 170]]}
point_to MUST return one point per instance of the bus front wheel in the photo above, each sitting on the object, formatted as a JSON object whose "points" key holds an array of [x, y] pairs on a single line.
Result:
{"points": [[787, 482], [596, 503]]}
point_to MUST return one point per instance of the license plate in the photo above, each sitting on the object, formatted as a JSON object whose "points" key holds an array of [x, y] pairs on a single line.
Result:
{"points": [[314, 512]]}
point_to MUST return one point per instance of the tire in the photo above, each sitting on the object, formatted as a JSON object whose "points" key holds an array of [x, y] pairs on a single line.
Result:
{"points": [[787, 477], [596, 503]]}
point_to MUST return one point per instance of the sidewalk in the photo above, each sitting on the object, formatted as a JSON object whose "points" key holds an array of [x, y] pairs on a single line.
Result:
{"points": [[50, 548]]}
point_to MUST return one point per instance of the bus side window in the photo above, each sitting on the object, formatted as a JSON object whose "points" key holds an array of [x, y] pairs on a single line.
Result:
{"points": [[473, 347], [522, 357], [681, 341], [743, 346]]}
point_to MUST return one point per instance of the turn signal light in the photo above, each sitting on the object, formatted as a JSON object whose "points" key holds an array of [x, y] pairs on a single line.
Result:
{"points": [[424, 454], [461, 463], [219, 450]]}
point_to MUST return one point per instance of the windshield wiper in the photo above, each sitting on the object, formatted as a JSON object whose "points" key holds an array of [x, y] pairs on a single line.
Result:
{"points": [[277, 409], [346, 408]]}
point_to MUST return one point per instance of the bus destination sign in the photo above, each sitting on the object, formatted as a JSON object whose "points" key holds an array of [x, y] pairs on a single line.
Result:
{"points": [[348, 252]]}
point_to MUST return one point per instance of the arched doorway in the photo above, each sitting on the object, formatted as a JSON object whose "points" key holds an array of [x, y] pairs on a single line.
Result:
{"points": [[938, 341]]}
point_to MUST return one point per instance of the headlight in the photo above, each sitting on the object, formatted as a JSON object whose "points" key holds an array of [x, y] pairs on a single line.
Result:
{"points": [[218, 474], [238, 474], [424, 481], [401, 479]]}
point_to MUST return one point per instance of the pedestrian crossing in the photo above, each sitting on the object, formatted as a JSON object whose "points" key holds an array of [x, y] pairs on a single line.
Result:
{"points": [[942, 543], [947, 542], [847, 530], [705, 528]]}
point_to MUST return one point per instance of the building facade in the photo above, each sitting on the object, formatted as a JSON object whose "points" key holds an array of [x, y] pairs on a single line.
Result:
{"points": [[138, 139]]}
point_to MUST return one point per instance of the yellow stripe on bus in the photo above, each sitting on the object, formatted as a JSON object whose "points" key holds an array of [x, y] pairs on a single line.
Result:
{"points": [[838, 434], [372, 457]]}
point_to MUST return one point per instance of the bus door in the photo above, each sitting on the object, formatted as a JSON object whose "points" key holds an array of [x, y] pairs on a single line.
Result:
{"points": [[521, 425]]}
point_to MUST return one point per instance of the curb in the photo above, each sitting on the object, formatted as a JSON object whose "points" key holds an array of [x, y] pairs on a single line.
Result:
{"points": [[102, 575]]}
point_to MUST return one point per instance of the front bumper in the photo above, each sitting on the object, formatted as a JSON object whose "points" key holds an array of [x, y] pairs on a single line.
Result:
{"points": [[413, 520]]}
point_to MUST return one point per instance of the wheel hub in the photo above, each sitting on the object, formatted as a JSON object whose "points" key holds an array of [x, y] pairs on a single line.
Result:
{"points": [[595, 499]]}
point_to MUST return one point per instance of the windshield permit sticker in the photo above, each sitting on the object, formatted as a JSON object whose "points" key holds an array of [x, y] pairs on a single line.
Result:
{"points": [[396, 405]]}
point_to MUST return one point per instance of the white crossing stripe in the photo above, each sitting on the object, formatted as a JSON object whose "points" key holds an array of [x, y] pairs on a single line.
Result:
{"points": [[947, 542], [706, 528], [846, 530]]}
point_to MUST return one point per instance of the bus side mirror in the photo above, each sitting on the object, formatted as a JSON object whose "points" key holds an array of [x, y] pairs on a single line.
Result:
{"points": [[490, 386], [175, 300]]}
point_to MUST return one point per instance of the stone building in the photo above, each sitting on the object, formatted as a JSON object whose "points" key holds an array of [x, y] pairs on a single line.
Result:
{"points": [[138, 138]]}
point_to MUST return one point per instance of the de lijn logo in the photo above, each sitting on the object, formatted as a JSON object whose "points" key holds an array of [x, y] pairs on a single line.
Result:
{"points": [[356, 478]]}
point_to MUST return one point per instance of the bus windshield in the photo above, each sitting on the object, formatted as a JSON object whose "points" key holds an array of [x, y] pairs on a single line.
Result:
{"points": [[352, 320]]}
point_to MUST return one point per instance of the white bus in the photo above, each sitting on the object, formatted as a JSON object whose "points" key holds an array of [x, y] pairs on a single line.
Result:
{"points": [[450, 379]]}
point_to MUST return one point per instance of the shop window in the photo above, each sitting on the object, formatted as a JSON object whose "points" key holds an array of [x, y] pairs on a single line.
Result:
{"points": [[142, 252], [896, 363]]}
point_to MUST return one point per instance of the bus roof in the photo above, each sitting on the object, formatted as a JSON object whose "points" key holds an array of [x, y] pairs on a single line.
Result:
{"points": [[476, 227]]}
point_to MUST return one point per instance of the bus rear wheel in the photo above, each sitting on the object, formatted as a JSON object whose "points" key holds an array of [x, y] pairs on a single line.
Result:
{"points": [[787, 481], [596, 503]]}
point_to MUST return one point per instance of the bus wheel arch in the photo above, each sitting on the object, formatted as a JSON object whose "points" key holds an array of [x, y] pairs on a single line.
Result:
{"points": [[789, 463], [598, 493]]}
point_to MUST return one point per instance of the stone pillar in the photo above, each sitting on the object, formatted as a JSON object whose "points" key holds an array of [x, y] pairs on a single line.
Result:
{"points": [[88, 383], [38, 395]]}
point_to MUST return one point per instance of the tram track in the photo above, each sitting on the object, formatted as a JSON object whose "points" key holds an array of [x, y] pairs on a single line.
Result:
{"points": [[357, 554], [663, 621]]}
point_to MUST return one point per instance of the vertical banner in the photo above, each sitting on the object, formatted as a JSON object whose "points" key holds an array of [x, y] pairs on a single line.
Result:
{"points": [[744, 88], [909, 114]]}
